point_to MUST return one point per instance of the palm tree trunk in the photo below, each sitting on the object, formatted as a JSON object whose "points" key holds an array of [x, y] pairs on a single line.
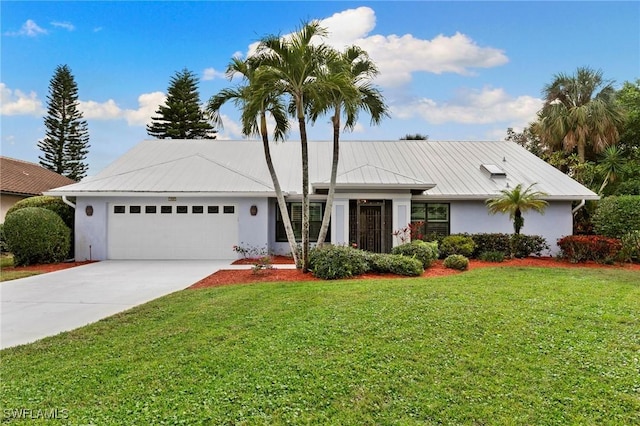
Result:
{"points": [[581, 152], [518, 221], [326, 218], [305, 185], [291, 238]]}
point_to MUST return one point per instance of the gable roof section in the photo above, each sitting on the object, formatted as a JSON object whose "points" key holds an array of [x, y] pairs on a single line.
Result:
{"points": [[25, 178], [238, 167]]}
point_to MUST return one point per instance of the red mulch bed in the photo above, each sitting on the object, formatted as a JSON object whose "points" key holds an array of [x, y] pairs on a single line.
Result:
{"points": [[227, 277], [50, 267]]}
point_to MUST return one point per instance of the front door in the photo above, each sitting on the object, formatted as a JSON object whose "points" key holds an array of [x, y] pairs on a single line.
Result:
{"points": [[370, 228]]}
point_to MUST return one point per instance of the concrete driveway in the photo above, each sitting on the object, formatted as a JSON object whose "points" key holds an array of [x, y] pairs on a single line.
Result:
{"points": [[47, 304]]}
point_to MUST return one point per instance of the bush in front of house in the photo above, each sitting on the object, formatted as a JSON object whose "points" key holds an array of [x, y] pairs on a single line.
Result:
{"points": [[36, 235], [492, 256], [395, 264], [55, 204], [526, 245], [456, 261], [616, 216], [491, 242], [4, 248], [630, 247], [457, 244], [331, 262], [581, 248], [425, 252]]}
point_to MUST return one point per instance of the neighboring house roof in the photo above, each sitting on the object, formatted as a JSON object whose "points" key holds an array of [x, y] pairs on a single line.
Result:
{"points": [[24, 178], [443, 170]]}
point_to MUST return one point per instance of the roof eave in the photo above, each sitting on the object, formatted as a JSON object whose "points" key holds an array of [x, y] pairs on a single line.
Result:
{"points": [[148, 194]]}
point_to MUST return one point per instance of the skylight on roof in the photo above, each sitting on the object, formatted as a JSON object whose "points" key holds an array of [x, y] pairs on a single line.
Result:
{"points": [[493, 171]]}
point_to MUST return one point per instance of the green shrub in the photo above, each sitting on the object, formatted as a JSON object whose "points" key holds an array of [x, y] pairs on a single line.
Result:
{"points": [[4, 248], [492, 256], [334, 262], [424, 252], [395, 264], [36, 235], [580, 248], [457, 244], [527, 245], [630, 247], [55, 204], [491, 243], [456, 261], [616, 216]]}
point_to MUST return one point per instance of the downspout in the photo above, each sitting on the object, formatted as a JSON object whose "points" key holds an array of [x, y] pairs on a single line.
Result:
{"points": [[67, 202], [578, 207]]}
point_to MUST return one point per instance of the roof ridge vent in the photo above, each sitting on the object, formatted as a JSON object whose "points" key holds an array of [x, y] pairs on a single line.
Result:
{"points": [[493, 171]]}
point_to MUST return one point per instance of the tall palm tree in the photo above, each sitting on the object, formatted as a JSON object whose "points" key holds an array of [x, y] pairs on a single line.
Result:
{"points": [[580, 112], [293, 66], [517, 201], [255, 102], [350, 74]]}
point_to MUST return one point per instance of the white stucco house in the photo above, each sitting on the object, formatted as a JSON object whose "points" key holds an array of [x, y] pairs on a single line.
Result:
{"points": [[196, 199]]}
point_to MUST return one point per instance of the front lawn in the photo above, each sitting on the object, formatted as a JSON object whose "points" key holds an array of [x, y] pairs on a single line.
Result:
{"points": [[6, 261], [489, 346]]}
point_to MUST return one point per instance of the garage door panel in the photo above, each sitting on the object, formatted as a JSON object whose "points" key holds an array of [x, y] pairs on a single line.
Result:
{"points": [[172, 235]]}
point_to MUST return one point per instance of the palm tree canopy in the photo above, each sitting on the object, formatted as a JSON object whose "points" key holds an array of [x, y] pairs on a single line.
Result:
{"points": [[516, 201], [579, 112]]}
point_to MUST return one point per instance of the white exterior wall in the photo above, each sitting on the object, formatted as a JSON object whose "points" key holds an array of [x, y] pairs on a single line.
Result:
{"points": [[473, 217], [91, 238]]}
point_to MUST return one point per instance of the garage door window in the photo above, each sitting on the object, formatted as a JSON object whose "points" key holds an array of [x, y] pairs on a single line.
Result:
{"points": [[118, 209], [213, 209], [197, 209], [134, 209], [229, 209], [150, 209], [166, 209], [182, 209]]}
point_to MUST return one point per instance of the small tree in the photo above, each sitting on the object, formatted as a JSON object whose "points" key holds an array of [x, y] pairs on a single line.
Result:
{"points": [[414, 137], [181, 117], [516, 201], [66, 143]]}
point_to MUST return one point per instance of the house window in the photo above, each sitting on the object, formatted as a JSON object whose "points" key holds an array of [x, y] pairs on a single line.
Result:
{"points": [[197, 209], [150, 209], [433, 216], [316, 211], [213, 209], [134, 209], [166, 209], [182, 209], [228, 209], [118, 209]]}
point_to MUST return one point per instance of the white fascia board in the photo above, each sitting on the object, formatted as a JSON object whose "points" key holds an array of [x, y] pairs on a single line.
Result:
{"points": [[147, 194], [476, 197]]}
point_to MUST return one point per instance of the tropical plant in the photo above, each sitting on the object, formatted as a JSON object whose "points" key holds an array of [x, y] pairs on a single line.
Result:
{"points": [[611, 165], [517, 201], [255, 102], [414, 137], [181, 117], [294, 65], [580, 112], [66, 142], [347, 76]]}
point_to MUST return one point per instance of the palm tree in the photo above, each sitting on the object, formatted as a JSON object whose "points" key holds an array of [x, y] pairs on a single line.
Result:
{"points": [[578, 116], [293, 66], [517, 201], [255, 103], [612, 164], [350, 73]]}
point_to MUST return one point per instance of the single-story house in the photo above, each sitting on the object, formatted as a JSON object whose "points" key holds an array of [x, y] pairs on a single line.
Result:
{"points": [[22, 179], [197, 199]]}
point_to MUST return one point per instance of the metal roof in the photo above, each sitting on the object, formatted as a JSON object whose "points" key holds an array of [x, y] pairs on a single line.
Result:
{"points": [[444, 170]]}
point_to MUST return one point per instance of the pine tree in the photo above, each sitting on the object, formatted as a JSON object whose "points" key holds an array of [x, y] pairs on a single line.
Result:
{"points": [[181, 117], [66, 143]]}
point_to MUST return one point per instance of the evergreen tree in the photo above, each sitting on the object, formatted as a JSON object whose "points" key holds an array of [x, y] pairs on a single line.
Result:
{"points": [[181, 117], [66, 143]]}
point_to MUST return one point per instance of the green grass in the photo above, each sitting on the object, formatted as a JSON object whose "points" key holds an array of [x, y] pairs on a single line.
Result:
{"points": [[489, 346], [6, 261]]}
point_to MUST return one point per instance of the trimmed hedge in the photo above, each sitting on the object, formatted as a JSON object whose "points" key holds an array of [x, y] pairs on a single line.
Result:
{"points": [[425, 252], [55, 204], [526, 245], [631, 247], [36, 235], [491, 243], [4, 247], [334, 262], [456, 261], [461, 244], [492, 256], [580, 248], [616, 216], [395, 263]]}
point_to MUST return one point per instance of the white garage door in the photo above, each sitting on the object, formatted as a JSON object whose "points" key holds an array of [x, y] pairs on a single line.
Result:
{"points": [[172, 231]]}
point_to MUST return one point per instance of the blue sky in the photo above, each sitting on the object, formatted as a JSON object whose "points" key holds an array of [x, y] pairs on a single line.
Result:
{"points": [[451, 70]]}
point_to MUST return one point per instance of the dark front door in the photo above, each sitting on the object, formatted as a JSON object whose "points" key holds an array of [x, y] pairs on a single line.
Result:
{"points": [[370, 228]]}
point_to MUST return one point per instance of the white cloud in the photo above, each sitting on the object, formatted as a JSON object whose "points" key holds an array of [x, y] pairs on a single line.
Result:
{"points": [[147, 105], [15, 102], [211, 74], [66, 25], [350, 25], [29, 29], [486, 106]]}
